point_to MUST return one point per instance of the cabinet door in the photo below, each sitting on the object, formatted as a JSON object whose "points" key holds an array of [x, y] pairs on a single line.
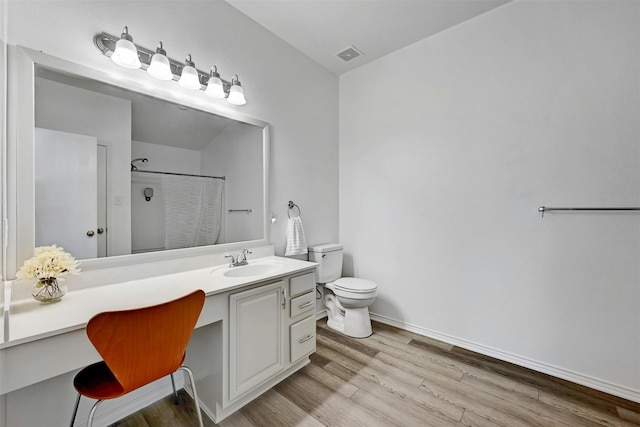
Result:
{"points": [[255, 336]]}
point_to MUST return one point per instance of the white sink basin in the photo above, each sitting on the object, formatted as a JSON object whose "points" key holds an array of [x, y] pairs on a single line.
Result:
{"points": [[253, 270]]}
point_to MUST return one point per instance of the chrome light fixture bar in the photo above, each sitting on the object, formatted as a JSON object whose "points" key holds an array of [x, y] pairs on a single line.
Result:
{"points": [[106, 43]]}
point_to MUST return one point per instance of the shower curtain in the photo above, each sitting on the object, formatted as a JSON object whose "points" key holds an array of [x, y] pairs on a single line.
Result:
{"points": [[193, 210]]}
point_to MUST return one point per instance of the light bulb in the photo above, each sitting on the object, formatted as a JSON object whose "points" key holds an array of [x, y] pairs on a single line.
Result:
{"points": [[189, 78], [126, 54], [236, 94], [215, 88], [160, 67]]}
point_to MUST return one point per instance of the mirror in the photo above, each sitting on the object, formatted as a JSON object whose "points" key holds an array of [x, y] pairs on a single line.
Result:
{"points": [[116, 173]]}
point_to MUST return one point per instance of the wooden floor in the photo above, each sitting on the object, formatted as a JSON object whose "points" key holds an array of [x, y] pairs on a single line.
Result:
{"points": [[396, 378]]}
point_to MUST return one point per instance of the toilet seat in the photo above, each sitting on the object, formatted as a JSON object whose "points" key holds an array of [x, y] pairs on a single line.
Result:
{"points": [[355, 285]]}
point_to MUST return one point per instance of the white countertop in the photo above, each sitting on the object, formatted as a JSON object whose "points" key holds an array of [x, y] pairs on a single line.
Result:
{"points": [[31, 320]]}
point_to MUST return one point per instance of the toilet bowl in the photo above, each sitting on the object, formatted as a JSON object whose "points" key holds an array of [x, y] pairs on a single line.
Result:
{"points": [[347, 299], [348, 306]]}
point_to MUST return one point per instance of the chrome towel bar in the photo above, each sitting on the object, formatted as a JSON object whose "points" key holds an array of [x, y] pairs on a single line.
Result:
{"points": [[542, 209]]}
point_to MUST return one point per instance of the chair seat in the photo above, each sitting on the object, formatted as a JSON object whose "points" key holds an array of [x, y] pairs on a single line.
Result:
{"points": [[97, 382]]}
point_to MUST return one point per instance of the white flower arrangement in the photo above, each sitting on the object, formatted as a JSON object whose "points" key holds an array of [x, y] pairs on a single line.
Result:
{"points": [[48, 262]]}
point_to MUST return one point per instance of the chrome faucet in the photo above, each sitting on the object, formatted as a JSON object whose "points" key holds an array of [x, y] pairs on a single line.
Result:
{"points": [[240, 259]]}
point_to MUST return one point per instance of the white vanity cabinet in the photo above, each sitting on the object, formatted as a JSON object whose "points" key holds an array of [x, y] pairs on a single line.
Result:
{"points": [[272, 331]]}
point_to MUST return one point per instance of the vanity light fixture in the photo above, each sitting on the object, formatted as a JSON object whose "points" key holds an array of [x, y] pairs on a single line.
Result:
{"points": [[215, 88], [159, 66], [236, 94], [125, 53], [189, 78]]}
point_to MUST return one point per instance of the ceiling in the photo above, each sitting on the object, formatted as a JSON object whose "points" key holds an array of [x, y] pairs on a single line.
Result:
{"points": [[322, 28]]}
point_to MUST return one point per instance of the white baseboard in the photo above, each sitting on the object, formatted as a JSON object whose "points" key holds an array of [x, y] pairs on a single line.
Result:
{"points": [[575, 377]]}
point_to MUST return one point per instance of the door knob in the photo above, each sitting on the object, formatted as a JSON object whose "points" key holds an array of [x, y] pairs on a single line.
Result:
{"points": [[90, 233], [100, 230]]}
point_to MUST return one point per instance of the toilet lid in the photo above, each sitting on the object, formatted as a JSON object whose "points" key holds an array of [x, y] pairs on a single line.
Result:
{"points": [[353, 284]]}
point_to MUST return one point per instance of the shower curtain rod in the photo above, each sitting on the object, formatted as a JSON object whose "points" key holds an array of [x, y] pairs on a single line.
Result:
{"points": [[182, 174]]}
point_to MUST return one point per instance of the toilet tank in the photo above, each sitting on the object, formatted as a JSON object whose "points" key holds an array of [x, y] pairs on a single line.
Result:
{"points": [[329, 259]]}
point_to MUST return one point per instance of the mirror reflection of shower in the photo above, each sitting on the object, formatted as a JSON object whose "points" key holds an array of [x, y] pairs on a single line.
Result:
{"points": [[141, 159]]}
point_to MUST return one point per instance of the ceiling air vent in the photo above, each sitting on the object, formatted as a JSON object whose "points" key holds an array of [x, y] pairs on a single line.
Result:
{"points": [[349, 53]]}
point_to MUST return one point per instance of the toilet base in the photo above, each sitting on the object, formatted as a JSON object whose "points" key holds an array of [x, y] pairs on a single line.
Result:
{"points": [[353, 322]]}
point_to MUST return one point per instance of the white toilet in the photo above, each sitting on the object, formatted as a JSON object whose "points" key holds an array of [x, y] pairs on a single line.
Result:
{"points": [[349, 300]]}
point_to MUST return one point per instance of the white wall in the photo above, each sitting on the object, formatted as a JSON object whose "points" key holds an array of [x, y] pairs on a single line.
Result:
{"points": [[291, 92], [448, 146], [64, 108], [163, 158]]}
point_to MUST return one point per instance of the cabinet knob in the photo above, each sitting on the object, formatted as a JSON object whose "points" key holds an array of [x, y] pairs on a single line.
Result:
{"points": [[100, 230], [90, 233]]}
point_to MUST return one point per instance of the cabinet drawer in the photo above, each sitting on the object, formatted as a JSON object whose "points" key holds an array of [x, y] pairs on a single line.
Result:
{"points": [[303, 304], [302, 284], [303, 338]]}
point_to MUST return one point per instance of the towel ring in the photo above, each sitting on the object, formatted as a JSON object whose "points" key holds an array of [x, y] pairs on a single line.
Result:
{"points": [[291, 206]]}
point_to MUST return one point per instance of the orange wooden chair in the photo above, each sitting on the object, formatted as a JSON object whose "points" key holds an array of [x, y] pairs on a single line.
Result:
{"points": [[138, 347]]}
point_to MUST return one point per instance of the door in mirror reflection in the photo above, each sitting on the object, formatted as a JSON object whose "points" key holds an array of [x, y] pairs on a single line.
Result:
{"points": [[66, 180]]}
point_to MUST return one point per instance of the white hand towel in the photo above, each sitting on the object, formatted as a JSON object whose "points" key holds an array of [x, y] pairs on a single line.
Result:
{"points": [[296, 242]]}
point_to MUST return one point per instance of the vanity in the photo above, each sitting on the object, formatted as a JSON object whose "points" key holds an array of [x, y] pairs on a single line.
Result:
{"points": [[258, 322], [257, 327]]}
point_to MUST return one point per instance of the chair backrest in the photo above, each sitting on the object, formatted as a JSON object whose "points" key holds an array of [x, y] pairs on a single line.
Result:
{"points": [[142, 345]]}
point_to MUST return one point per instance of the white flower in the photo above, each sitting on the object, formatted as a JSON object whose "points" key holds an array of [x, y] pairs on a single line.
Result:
{"points": [[48, 262]]}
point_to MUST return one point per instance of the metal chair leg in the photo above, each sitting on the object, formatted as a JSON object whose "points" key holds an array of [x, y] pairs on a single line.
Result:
{"points": [[93, 412], [195, 394], [75, 410], [175, 393]]}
